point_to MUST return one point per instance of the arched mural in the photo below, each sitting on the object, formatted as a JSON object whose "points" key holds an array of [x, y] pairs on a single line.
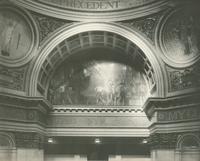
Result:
{"points": [[98, 80], [52, 53]]}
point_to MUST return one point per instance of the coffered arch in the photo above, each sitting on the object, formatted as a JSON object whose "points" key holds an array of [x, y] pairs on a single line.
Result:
{"points": [[127, 39]]}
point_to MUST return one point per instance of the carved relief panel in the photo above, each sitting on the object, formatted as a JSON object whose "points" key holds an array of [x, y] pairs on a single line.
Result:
{"points": [[13, 78], [181, 79], [48, 25], [146, 26]]}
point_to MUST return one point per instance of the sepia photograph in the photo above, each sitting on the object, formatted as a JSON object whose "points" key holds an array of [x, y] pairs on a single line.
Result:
{"points": [[99, 80]]}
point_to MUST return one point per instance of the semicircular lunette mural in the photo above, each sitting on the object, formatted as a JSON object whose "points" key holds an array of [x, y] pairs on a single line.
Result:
{"points": [[181, 36], [98, 82]]}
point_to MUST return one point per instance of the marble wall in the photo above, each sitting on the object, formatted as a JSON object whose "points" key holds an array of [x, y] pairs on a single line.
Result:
{"points": [[7, 155], [24, 154]]}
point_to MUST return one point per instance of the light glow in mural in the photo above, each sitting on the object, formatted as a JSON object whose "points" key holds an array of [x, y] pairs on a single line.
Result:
{"points": [[98, 82]]}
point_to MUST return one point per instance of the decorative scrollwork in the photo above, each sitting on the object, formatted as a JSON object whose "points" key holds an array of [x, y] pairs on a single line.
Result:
{"points": [[13, 78], [146, 25], [180, 79], [47, 25]]}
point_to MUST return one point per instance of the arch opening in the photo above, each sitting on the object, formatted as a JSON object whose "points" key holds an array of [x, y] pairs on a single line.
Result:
{"points": [[106, 37], [188, 142], [6, 142], [115, 70]]}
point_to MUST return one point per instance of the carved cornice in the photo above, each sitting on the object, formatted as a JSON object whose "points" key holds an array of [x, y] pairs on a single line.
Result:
{"points": [[101, 132], [185, 101], [96, 109], [187, 113], [38, 103], [23, 109], [22, 115]]}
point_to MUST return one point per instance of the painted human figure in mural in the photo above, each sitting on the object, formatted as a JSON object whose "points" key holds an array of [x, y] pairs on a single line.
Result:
{"points": [[7, 29], [187, 38], [66, 94], [113, 95], [82, 84], [99, 96], [186, 32], [189, 35], [122, 94]]}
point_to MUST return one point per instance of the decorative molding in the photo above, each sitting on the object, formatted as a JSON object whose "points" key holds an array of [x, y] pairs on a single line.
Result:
{"points": [[22, 126], [13, 78], [181, 79], [96, 6], [96, 109], [96, 15], [35, 103], [173, 127], [23, 109], [101, 132], [179, 114], [47, 25], [190, 101], [96, 121], [146, 25], [22, 115]]}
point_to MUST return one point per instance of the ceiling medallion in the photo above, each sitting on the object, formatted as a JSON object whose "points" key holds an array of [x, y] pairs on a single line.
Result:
{"points": [[179, 37], [17, 39]]}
